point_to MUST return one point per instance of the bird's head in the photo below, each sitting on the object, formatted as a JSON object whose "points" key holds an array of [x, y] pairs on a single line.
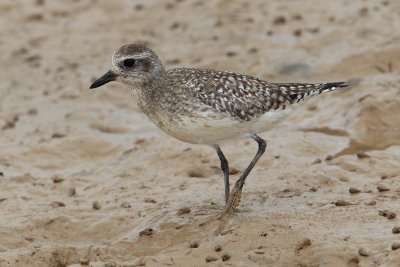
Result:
{"points": [[133, 65]]}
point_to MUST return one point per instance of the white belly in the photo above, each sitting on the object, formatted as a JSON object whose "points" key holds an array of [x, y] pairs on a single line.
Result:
{"points": [[214, 128]]}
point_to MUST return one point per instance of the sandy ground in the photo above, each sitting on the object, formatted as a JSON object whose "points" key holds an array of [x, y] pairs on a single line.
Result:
{"points": [[64, 147]]}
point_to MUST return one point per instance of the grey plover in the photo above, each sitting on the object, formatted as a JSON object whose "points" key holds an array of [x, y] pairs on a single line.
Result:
{"points": [[203, 106]]}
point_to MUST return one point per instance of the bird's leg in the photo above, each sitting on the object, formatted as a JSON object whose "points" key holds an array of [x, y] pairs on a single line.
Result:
{"points": [[236, 193], [225, 169]]}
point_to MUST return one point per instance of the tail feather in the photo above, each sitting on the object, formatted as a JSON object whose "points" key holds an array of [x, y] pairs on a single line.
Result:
{"points": [[326, 87], [295, 92]]}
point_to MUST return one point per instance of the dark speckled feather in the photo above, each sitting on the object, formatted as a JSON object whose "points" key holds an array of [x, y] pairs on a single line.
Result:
{"points": [[241, 96]]}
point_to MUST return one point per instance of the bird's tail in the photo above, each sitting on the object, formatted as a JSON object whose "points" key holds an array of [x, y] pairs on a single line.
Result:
{"points": [[299, 91], [327, 87]]}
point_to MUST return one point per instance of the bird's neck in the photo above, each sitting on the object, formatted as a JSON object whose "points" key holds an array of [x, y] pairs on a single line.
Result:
{"points": [[146, 94]]}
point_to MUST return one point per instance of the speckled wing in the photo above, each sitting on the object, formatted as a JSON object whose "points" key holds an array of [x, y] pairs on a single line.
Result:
{"points": [[245, 97]]}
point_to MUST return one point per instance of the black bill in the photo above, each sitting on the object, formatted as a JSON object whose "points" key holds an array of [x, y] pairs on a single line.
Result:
{"points": [[108, 77]]}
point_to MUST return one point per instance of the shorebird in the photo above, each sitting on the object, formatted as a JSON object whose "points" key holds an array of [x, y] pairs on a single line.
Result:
{"points": [[204, 106]]}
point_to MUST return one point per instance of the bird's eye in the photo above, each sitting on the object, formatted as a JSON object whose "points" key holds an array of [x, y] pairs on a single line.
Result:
{"points": [[129, 63]]}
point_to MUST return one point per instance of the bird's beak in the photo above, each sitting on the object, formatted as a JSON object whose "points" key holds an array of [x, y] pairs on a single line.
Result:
{"points": [[108, 77]]}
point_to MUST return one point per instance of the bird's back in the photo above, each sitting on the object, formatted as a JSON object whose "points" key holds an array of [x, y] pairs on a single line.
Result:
{"points": [[241, 96]]}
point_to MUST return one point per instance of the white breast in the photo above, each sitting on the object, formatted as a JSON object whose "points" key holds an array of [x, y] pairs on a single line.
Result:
{"points": [[213, 128]]}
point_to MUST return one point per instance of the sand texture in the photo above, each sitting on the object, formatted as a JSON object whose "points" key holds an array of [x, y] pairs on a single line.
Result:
{"points": [[87, 179]]}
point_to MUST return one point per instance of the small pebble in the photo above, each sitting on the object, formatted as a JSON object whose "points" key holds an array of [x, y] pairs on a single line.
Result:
{"points": [[311, 107], [173, 61], [197, 173], [251, 51], [85, 261], [149, 200], [194, 244], [279, 20], [211, 258], [140, 141], [39, 2], [96, 205], [362, 155], [363, 252], [382, 188], [231, 54], [388, 214], [218, 248], [147, 231], [395, 246], [32, 112], [233, 170], [297, 32], [371, 203], [139, 7], [35, 17], [314, 30], [57, 179], [125, 205], [227, 231], [341, 203], [317, 161], [385, 3], [306, 242], [57, 204], [353, 190], [297, 17], [28, 238], [226, 256], [71, 191], [363, 11], [57, 135], [396, 230], [354, 260], [183, 210], [329, 157]]}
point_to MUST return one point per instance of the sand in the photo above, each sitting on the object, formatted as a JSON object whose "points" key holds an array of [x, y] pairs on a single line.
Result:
{"points": [[86, 179]]}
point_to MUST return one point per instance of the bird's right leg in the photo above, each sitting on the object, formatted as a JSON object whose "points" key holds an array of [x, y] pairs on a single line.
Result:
{"points": [[236, 193], [225, 170]]}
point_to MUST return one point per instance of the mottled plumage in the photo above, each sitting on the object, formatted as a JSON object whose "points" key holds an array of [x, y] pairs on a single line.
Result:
{"points": [[241, 96], [207, 106]]}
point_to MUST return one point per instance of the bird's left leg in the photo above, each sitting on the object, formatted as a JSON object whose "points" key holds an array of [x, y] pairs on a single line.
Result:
{"points": [[236, 192], [225, 170]]}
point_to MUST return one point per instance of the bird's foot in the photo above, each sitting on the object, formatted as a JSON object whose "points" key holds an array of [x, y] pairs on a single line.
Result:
{"points": [[234, 198]]}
